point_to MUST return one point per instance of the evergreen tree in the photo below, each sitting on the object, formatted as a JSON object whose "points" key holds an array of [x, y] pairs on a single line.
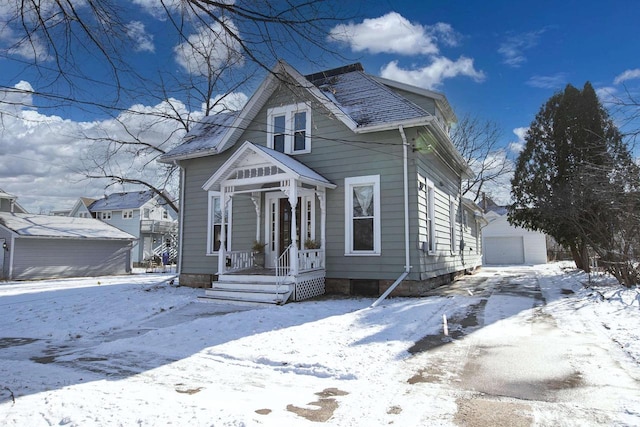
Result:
{"points": [[574, 175]]}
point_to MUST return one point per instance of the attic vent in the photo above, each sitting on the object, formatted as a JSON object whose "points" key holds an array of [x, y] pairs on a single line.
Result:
{"points": [[256, 172]]}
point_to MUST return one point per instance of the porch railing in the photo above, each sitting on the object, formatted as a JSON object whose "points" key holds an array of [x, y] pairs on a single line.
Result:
{"points": [[238, 260], [310, 259], [283, 267]]}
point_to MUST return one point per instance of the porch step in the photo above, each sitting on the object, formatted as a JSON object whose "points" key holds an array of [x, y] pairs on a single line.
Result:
{"points": [[249, 293]]}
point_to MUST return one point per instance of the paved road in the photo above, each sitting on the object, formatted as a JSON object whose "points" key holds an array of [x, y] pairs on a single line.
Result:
{"points": [[510, 362]]}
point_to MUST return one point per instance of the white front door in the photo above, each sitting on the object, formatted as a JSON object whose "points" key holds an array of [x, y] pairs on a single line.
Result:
{"points": [[278, 219]]}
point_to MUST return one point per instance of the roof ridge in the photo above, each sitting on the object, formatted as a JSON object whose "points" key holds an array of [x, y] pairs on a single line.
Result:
{"points": [[334, 72]]}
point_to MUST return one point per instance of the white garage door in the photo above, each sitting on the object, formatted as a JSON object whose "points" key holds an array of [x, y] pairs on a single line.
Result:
{"points": [[504, 250]]}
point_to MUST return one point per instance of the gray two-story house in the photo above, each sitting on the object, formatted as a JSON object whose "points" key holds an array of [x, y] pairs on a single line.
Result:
{"points": [[349, 182], [143, 214]]}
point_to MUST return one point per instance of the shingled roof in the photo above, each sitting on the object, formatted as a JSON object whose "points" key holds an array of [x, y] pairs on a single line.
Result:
{"points": [[119, 201], [363, 102]]}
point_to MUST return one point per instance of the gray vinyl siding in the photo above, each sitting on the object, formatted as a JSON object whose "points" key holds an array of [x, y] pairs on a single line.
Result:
{"points": [[336, 153], [427, 104], [446, 186], [35, 258], [195, 215]]}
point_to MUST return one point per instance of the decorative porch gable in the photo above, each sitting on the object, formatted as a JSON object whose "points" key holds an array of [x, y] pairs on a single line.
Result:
{"points": [[252, 170]]}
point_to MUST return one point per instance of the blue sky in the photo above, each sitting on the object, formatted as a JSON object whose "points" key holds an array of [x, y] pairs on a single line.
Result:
{"points": [[498, 60]]}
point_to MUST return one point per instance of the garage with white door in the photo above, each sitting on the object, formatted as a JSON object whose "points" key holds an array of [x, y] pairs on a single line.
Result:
{"points": [[504, 244], [504, 250]]}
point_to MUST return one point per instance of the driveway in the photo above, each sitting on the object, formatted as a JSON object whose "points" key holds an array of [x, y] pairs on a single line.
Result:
{"points": [[510, 362]]}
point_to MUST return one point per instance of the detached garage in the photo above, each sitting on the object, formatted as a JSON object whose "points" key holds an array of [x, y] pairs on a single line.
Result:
{"points": [[504, 244], [43, 246]]}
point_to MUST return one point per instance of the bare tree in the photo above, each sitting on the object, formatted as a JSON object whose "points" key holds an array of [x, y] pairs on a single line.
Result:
{"points": [[220, 47], [478, 141]]}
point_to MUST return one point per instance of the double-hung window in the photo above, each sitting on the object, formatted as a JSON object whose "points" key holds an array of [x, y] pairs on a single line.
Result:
{"points": [[362, 215], [289, 128], [105, 215], [215, 223], [128, 214]]}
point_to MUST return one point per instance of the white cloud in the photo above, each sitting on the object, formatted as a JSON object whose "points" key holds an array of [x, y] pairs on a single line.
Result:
{"points": [[607, 94], [231, 102], [627, 75], [391, 33], [142, 39], [518, 146], [43, 156], [31, 49], [158, 8], [13, 100], [433, 75], [513, 48], [210, 48], [555, 81]]}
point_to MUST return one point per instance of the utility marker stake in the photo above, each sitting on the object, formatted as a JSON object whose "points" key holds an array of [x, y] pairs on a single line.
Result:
{"points": [[444, 325]]}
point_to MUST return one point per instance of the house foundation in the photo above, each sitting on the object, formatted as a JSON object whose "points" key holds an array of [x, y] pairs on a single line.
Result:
{"points": [[197, 280], [375, 288]]}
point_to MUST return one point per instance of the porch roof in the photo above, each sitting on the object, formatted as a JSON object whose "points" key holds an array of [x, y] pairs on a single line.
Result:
{"points": [[251, 155]]}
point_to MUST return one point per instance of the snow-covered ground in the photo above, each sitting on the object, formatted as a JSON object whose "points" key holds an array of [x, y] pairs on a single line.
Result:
{"points": [[138, 350]]}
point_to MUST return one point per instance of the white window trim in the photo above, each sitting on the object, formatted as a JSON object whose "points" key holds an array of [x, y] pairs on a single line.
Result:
{"points": [[212, 195], [289, 112], [127, 214], [105, 215], [348, 212], [452, 223], [431, 213]]}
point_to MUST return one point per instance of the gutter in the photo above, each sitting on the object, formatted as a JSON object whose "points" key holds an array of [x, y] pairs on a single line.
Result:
{"points": [[407, 266]]}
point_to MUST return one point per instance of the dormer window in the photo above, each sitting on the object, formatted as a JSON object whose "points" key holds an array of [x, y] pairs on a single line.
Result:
{"points": [[289, 128]]}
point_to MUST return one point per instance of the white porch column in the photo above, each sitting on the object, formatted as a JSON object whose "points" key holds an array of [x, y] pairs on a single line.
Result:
{"points": [[255, 198], [321, 194], [293, 201], [222, 252]]}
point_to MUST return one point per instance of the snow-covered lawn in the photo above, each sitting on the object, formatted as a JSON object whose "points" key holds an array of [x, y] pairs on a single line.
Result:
{"points": [[137, 350]]}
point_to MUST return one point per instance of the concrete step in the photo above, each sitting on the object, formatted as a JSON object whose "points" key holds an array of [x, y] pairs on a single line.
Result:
{"points": [[248, 292], [237, 300]]}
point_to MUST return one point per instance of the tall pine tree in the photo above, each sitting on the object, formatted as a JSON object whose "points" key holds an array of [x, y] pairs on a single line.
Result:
{"points": [[573, 175]]}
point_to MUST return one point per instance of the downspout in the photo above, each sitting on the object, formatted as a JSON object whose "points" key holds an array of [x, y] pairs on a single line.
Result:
{"points": [[407, 266], [180, 218], [462, 247]]}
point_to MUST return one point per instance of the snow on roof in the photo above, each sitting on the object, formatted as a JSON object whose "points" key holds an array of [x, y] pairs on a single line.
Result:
{"points": [[31, 225], [5, 195], [118, 201], [365, 100], [205, 135]]}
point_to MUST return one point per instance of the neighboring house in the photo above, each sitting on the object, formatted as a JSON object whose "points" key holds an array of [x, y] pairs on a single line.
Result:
{"points": [[143, 214], [81, 208], [368, 168], [46, 246], [505, 244], [8, 203]]}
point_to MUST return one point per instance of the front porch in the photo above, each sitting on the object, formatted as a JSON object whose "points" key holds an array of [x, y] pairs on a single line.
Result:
{"points": [[287, 197]]}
